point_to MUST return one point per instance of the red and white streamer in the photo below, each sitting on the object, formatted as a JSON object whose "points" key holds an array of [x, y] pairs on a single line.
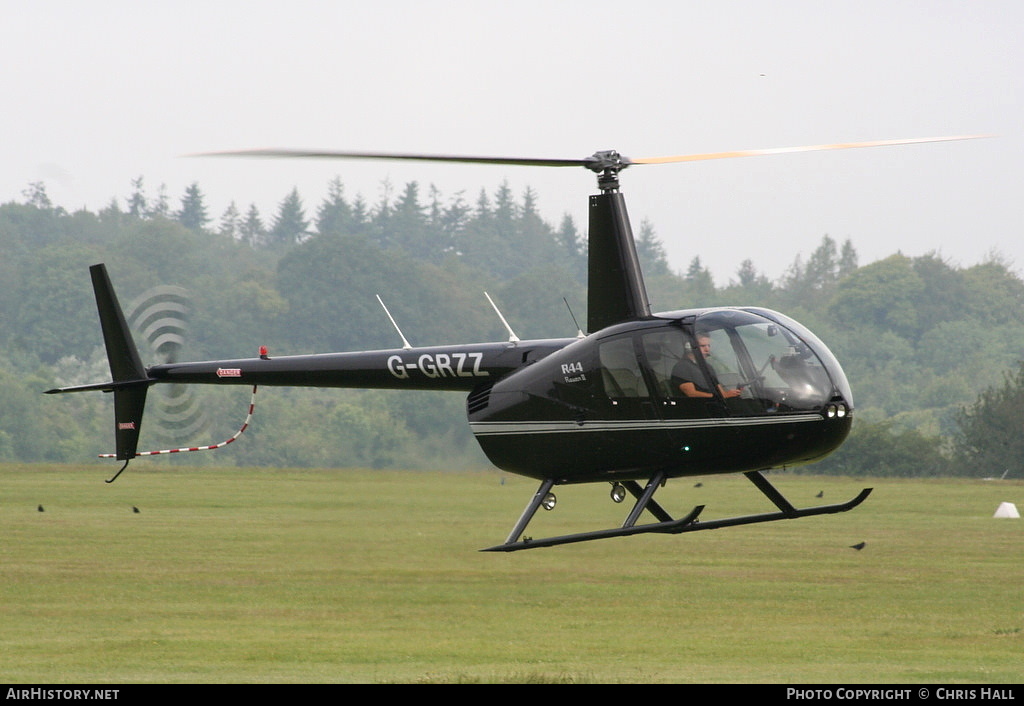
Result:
{"points": [[245, 425]]}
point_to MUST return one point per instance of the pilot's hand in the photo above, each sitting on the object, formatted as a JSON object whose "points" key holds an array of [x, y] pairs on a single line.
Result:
{"points": [[733, 393]]}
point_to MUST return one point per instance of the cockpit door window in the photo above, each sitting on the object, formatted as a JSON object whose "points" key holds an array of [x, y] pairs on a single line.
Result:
{"points": [[620, 369]]}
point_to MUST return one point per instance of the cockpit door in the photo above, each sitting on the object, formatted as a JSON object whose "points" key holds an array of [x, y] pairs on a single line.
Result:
{"points": [[666, 352]]}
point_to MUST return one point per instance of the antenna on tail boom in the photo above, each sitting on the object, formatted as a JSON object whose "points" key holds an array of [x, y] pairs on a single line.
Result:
{"points": [[405, 344], [512, 337]]}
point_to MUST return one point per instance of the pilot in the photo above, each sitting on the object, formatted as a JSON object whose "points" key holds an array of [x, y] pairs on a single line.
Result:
{"points": [[689, 378]]}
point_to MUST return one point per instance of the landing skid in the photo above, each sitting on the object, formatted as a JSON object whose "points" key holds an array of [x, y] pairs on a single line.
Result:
{"points": [[666, 524]]}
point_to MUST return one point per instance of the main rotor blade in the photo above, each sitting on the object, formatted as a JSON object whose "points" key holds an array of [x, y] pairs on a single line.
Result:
{"points": [[330, 154], [806, 148], [607, 161]]}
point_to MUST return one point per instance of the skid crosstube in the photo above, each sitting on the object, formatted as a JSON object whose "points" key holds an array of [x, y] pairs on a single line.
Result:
{"points": [[666, 524]]}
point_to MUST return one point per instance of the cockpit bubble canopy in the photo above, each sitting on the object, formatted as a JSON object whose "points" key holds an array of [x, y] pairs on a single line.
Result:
{"points": [[773, 358]]}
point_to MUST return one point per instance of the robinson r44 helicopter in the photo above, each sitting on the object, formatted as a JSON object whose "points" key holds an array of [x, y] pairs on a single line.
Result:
{"points": [[635, 400]]}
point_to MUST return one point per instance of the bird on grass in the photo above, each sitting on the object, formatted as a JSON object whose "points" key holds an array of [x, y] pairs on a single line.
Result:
{"points": [[135, 509], [40, 509], [858, 546]]}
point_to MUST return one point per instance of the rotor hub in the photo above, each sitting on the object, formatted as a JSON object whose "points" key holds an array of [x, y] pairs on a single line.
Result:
{"points": [[607, 164]]}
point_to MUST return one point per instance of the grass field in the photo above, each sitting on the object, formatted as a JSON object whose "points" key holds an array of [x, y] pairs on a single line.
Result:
{"points": [[260, 576]]}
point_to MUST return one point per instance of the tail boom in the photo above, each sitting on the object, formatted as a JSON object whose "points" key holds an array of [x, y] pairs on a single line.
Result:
{"points": [[463, 367]]}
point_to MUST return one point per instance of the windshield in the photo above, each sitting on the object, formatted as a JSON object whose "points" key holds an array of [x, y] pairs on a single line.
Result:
{"points": [[775, 364]]}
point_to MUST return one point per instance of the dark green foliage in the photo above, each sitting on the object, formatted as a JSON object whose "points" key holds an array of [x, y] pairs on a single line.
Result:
{"points": [[988, 440], [883, 296], [880, 449], [534, 303], [330, 285], [335, 215], [51, 296], [193, 211], [290, 225], [924, 343]]}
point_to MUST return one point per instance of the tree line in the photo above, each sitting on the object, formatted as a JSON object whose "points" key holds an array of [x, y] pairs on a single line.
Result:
{"points": [[930, 400]]}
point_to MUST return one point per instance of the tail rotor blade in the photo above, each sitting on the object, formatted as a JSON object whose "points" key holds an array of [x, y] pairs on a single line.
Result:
{"points": [[160, 316]]}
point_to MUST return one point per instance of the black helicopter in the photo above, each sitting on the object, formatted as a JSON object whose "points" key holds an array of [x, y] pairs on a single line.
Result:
{"points": [[616, 405]]}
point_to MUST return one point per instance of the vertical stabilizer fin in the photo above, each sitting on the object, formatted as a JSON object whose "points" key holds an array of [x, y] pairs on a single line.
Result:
{"points": [[123, 356], [130, 381], [129, 403]]}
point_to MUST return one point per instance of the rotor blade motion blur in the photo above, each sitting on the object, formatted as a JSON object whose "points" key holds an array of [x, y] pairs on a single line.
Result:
{"points": [[806, 148], [606, 163], [332, 154]]}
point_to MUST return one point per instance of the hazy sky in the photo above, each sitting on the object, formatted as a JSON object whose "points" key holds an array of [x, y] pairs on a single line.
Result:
{"points": [[98, 93]]}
